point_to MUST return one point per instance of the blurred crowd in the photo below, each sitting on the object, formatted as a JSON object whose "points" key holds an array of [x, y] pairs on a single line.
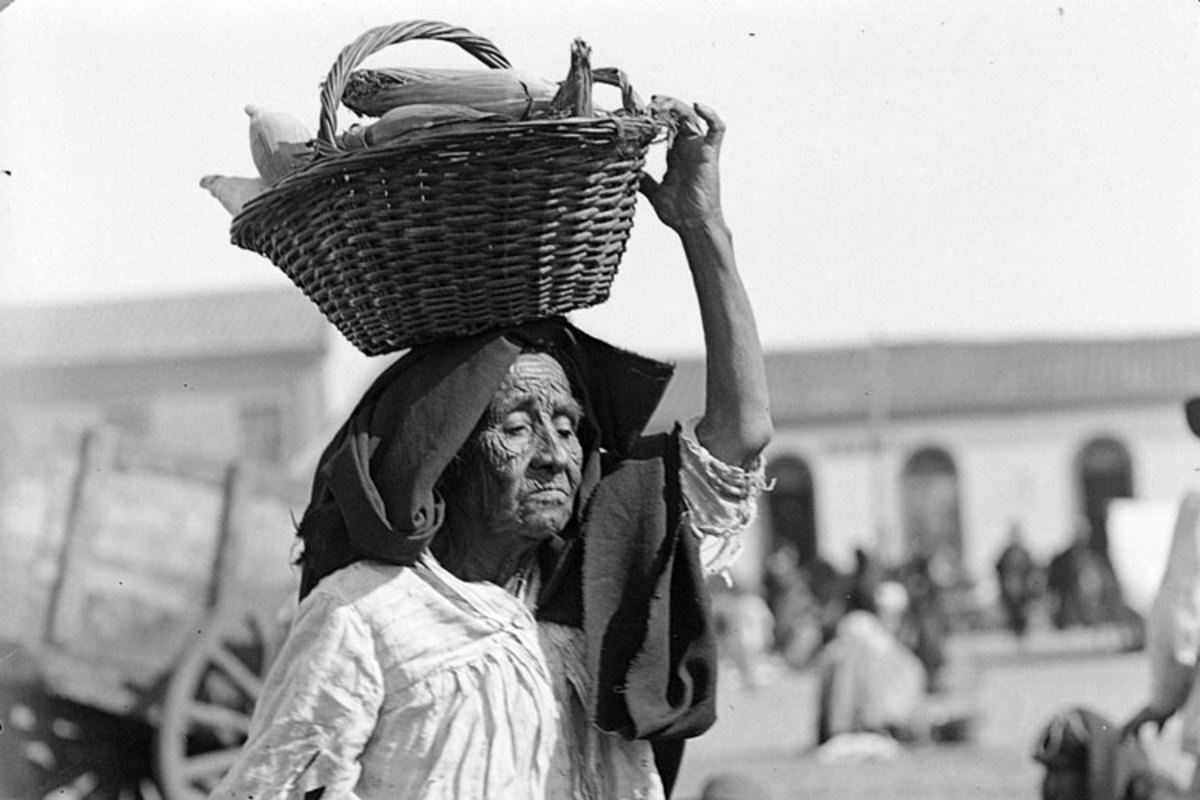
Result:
{"points": [[877, 634]]}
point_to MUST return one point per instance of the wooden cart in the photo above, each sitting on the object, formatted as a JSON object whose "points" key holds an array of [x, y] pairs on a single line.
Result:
{"points": [[171, 591]]}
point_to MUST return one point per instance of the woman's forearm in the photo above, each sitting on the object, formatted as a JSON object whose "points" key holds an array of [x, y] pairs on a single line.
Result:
{"points": [[737, 421]]}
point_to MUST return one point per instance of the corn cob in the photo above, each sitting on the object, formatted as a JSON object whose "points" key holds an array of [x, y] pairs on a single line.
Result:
{"points": [[406, 119], [279, 143], [514, 94], [353, 138], [233, 193]]}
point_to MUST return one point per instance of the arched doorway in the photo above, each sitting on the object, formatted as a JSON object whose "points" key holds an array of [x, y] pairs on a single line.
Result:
{"points": [[932, 519], [791, 508], [1105, 472]]}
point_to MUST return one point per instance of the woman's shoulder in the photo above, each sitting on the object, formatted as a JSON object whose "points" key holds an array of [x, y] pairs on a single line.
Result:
{"points": [[417, 618], [368, 585]]}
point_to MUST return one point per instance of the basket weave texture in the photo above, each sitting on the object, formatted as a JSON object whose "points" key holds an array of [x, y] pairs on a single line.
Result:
{"points": [[448, 233]]}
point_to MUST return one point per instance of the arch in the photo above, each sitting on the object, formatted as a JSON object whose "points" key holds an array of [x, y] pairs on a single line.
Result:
{"points": [[931, 506], [792, 508], [1104, 471]]}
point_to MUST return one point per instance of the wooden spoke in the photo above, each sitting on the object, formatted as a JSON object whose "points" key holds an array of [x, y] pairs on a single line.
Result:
{"points": [[237, 670], [212, 765], [218, 717], [208, 705]]}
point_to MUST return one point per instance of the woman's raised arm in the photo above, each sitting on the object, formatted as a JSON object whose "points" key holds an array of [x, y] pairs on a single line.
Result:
{"points": [[737, 421]]}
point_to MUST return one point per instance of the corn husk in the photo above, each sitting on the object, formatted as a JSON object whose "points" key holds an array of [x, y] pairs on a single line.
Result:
{"points": [[514, 94], [406, 120], [574, 95]]}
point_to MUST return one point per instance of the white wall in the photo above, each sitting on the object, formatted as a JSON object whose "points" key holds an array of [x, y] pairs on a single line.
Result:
{"points": [[1010, 467]]}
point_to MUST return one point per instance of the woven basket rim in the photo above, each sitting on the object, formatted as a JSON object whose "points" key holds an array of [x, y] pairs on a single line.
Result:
{"points": [[641, 130]]}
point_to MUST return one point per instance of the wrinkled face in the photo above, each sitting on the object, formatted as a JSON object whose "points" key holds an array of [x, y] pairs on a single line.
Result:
{"points": [[529, 452]]}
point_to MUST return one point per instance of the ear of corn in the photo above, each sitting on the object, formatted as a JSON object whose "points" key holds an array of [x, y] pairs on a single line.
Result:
{"points": [[353, 138], [407, 119], [279, 143], [514, 94], [233, 193]]}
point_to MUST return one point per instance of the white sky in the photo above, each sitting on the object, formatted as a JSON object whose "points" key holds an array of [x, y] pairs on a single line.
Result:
{"points": [[896, 169]]}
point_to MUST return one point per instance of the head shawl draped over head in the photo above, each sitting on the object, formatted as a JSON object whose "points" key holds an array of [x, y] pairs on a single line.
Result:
{"points": [[375, 490], [621, 571]]}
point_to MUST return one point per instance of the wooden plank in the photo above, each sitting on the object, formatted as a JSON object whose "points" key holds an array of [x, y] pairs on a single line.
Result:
{"points": [[152, 545], [133, 456], [229, 546], [68, 595]]}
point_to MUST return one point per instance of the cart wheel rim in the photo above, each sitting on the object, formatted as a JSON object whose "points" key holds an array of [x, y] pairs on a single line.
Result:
{"points": [[209, 701]]}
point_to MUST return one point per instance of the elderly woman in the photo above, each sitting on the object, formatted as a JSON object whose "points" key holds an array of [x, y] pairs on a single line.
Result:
{"points": [[502, 577]]}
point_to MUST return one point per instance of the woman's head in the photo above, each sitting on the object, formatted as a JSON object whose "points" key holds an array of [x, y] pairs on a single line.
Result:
{"points": [[424, 461], [515, 481], [529, 455]]}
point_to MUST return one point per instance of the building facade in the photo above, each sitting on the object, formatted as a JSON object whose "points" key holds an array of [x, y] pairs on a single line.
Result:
{"points": [[942, 447], [898, 448], [226, 375]]}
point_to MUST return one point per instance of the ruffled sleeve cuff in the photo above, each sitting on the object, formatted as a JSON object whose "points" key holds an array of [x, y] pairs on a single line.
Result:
{"points": [[721, 499]]}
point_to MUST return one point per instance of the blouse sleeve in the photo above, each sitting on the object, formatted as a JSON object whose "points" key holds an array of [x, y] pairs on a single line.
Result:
{"points": [[721, 500], [317, 710]]}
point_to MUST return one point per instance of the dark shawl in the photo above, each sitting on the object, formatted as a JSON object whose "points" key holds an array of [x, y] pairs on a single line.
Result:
{"points": [[623, 571]]}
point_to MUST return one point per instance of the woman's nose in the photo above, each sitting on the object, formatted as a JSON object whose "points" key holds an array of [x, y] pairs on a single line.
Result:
{"points": [[550, 449]]}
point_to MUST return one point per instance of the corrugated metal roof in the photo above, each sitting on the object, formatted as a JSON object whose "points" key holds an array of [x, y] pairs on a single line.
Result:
{"points": [[938, 377], [220, 324]]}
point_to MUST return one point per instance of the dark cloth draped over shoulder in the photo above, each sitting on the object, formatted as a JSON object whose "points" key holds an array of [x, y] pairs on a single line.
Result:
{"points": [[623, 570]]}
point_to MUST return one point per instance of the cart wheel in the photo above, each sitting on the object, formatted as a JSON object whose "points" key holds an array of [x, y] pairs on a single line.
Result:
{"points": [[209, 700]]}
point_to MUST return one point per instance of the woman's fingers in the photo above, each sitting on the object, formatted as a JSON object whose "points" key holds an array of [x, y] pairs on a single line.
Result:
{"points": [[716, 126], [681, 112]]}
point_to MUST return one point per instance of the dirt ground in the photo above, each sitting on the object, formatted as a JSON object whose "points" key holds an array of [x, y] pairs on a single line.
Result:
{"points": [[769, 732]]}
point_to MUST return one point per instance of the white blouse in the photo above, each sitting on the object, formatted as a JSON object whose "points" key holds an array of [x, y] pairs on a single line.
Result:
{"points": [[406, 682]]}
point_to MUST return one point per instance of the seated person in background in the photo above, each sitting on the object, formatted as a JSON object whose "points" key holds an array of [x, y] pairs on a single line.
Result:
{"points": [[871, 682]]}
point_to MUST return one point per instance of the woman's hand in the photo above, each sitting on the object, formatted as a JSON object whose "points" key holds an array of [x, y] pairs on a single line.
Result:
{"points": [[1148, 713], [737, 423], [689, 195]]}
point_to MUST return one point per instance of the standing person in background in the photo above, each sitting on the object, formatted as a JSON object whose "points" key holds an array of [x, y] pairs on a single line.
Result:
{"points": [[745, 630], [926, 623], [1075, 581], [1173, 631], [1017, 577], [862, 587], [502, 578], [1173, 639], [781, 581]]}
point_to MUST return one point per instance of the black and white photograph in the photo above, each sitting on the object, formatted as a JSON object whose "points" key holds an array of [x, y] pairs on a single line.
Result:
{"points": [[532, 400]]}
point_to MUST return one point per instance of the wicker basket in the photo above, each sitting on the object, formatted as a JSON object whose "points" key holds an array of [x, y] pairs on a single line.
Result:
{"points": [[448, 234]]}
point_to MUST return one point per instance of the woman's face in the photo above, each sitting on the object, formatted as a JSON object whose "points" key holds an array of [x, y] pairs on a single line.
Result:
{"points": [[529, 450]]}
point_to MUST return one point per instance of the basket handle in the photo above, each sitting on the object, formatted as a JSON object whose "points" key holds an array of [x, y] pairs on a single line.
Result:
{"points": [[375, 40], [615, 77]]}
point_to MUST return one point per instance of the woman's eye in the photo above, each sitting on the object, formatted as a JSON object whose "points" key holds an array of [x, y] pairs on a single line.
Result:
{"points": [[564, 426]]}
